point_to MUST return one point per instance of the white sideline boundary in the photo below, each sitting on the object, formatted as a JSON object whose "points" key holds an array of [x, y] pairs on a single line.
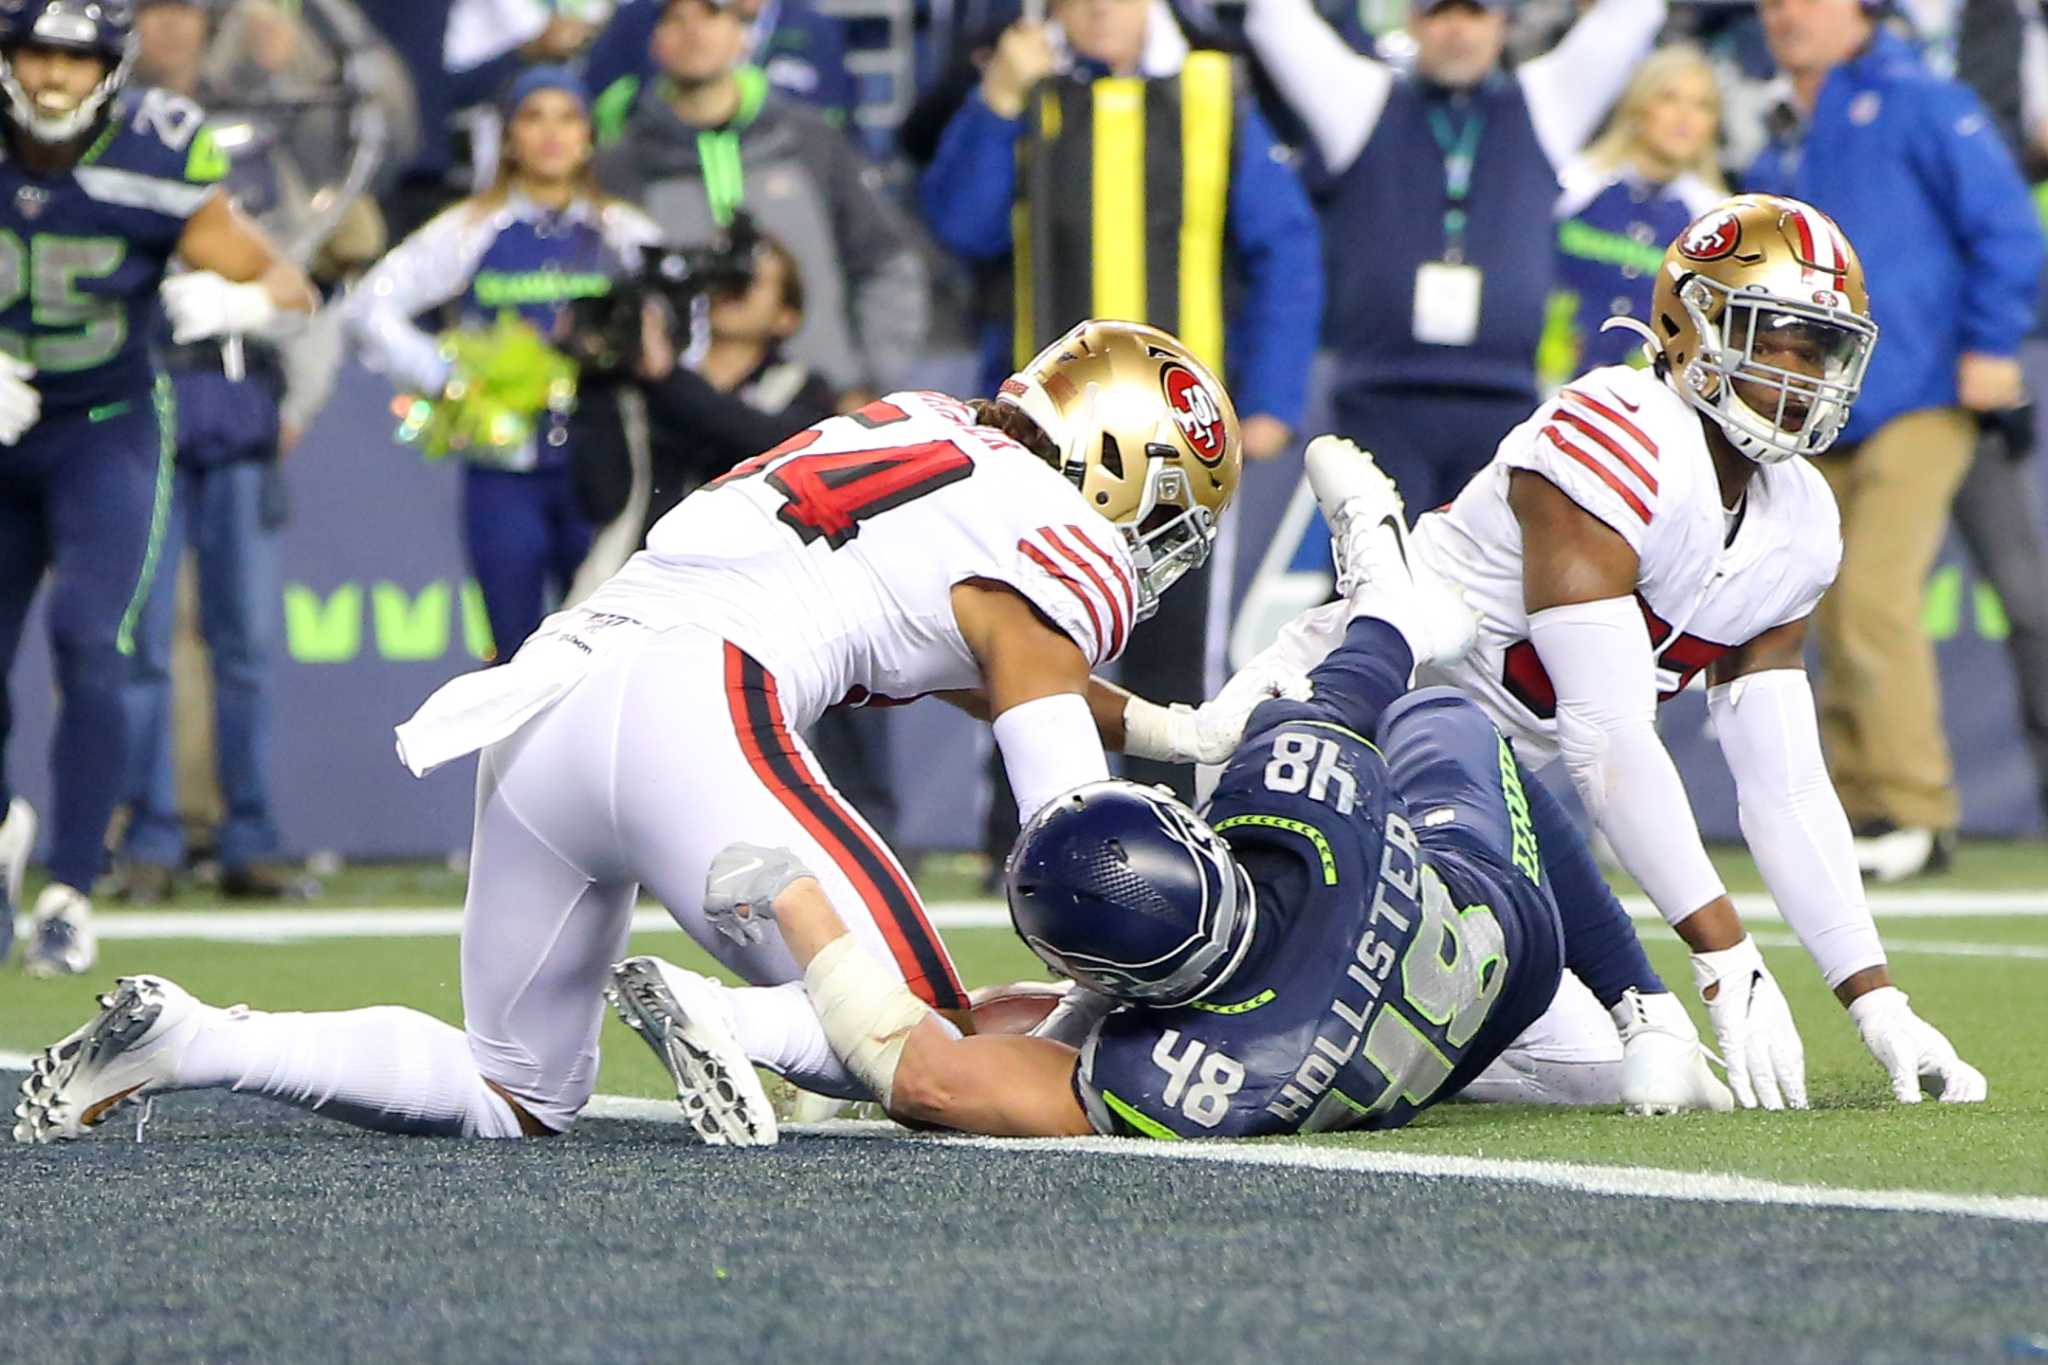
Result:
{"points": [[291, 926], [1628, 1182]]}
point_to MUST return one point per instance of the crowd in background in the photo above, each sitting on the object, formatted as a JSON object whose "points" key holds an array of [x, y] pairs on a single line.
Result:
{"points": [[1448, 200]]}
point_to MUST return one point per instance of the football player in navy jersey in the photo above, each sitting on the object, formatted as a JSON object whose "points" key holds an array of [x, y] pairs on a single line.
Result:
{"points": [[100, 186], [1375, 902]]}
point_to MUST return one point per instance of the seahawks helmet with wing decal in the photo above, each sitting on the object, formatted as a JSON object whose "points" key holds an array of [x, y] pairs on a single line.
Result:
{"points": [[1127, 891]]}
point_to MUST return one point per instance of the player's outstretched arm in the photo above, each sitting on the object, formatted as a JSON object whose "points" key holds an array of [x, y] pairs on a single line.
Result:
{"points": [[1579, 579], [237, 283], [916, 1063], [1034, 684], [1763, 712]]}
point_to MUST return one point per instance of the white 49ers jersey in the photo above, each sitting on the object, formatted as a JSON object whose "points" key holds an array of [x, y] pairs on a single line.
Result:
{"points": [[831, 559], [1626, 448]]}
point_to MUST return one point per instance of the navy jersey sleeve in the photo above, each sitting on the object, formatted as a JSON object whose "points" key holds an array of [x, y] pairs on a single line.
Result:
{"points": [[158, 163]]}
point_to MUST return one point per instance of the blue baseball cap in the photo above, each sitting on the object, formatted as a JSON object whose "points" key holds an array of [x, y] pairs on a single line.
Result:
{"points": [[537, 78], [1431, 6]]}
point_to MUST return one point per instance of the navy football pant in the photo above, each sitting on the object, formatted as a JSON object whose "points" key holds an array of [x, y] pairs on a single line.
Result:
{"points": [[525, 540], [1442, 751], [83, 501]]}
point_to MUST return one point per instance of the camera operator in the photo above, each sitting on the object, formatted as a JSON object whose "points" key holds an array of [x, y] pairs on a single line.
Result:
{"points": [[744, 394], [740, 394]]}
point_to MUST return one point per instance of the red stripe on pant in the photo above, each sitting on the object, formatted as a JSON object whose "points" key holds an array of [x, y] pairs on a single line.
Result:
{"points": [[892, 901]]}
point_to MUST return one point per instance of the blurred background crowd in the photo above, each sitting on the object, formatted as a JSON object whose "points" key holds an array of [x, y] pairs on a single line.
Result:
{"points": [[583, 255]]}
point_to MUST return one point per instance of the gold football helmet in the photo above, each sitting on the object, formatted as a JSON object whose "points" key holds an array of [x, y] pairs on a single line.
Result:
{"points": [[1759, 275], [1146, 433]]}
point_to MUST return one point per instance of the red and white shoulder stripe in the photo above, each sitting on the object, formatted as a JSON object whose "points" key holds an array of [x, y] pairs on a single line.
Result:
{"points": [[1592, 428], [1096, 580]]}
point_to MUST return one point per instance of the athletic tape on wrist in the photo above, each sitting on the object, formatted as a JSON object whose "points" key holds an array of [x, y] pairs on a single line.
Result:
{"points": [[867, 1014]]}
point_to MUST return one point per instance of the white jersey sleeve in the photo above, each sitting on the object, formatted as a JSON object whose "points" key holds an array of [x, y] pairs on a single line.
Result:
{"points": [[1082, 580], [1596, 446]]}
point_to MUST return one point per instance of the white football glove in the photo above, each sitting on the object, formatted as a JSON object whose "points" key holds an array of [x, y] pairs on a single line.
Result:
{"points": [[1208, 733], [21, 406], [202, 304], [1912, 1051], [1752, 1023], [741, 887]]}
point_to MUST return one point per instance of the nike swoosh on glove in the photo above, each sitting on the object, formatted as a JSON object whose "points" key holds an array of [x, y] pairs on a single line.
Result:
{"points": [[1912, 1051], [21, 406], [1753, 1025], [202, 304], [741, 887]]}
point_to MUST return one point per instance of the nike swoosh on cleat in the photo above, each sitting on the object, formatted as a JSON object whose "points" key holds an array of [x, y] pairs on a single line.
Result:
{"points": [[98, 1110], [1400, 537]]}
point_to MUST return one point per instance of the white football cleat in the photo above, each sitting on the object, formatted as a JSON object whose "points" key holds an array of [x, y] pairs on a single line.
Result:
{"points": [[127, 1052], [17, 841], [680, 1016], [61, 941], [1663, 1066], [1369, 539]]}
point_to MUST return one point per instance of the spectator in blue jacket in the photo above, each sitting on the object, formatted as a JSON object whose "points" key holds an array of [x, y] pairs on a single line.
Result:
{"points": [[1273, 245], [1914, 171]]}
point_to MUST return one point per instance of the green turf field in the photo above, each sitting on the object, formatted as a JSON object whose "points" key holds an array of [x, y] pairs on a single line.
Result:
{"points": [[1984, 980]]}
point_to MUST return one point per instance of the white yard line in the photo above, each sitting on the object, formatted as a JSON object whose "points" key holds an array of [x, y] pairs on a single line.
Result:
{"points": [[291, 926], [1632, 1182]]}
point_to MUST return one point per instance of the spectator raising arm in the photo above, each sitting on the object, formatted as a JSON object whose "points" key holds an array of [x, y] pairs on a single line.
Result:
{"points": [[1571, 87], [1337, 92]]}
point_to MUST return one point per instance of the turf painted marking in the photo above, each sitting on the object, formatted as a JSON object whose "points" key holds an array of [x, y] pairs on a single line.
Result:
{"points": [[293, 926], [1630, 1182]]}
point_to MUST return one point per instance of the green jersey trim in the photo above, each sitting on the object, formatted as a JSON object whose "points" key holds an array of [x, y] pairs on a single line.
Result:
{"points": [[1324, 852], [1146, 1125], [1265, 997]]}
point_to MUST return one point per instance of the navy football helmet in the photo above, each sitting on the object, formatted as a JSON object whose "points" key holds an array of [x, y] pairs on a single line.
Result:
{"points": [[103, 28], [1127, 891]]}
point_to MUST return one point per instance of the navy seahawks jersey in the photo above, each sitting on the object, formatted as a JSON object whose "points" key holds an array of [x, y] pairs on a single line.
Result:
{"points": [[83, 251], [1390, 964]]}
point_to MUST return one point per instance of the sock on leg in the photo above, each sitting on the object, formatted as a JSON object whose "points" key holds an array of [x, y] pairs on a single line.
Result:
{"points": [[777, 1027], [390, 1069], [1600, 945]]}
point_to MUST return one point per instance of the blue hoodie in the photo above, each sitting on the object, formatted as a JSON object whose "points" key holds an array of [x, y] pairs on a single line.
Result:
{"points": [[1914, 170]]}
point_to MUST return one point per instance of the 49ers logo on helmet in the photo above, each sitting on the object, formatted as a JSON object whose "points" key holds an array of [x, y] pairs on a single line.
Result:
{"points": [[1711, 237], [1195, 411]]}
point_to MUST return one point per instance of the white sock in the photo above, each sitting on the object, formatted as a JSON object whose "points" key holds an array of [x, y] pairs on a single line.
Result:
{"points": [[392, 1069], [777, 1027]]}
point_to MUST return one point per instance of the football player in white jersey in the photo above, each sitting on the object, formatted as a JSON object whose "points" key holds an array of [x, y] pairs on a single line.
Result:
{"points": [[993, 551], [1645, 526]]}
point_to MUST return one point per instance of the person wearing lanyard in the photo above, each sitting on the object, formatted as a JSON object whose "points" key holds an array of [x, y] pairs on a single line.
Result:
{"points": [[712, 135], [802, 53], [1436, 302]]}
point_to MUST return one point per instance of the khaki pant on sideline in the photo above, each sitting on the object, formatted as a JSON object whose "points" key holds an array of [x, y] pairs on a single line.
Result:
{"points": [[1879, 695]]}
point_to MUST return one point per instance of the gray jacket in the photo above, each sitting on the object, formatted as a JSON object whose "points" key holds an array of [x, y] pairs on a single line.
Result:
{"points": [[865, 288]]}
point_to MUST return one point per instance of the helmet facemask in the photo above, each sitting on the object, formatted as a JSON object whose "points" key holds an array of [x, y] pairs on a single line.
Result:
{"points": [[58, 128], [1734, 327]]}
